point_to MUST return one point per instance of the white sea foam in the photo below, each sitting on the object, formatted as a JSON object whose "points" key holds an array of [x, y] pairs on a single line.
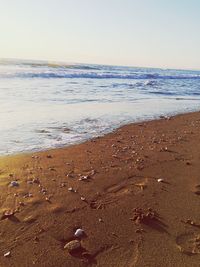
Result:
{"points": [[50, 105]]}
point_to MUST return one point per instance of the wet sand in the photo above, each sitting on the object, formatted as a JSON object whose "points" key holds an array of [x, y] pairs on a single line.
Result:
{"points": [[134, 192]]}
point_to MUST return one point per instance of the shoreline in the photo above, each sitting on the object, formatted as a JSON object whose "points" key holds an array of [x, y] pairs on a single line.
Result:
{"points": [[64, 146], [109, 186]]}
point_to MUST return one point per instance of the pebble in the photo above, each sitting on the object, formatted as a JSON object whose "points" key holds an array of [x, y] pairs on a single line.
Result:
{"points": [[14, 183], [73, 245], [47, 199], [160, 180], [44, 191], [62, 184], [36, 181], [7, 214], [70, 189], [79, 233]]}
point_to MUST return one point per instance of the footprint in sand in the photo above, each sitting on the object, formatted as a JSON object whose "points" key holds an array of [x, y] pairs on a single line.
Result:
{"points": [[127, 187], [189, 243]]}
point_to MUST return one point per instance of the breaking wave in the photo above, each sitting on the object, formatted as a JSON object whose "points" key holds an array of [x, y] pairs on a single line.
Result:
{"points": [[47, 70], [51, 75]]}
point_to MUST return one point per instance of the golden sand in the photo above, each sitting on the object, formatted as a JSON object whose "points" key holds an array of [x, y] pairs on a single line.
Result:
{"points": [[110, 188]]}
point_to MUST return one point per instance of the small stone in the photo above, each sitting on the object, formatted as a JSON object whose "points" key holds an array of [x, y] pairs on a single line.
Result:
{"points": [[7, 214], [160, 180], [83, 198], [47, 199], [44, 191], [70, 189], [62, 184], [14, 183], [7, 254], [79, 233], [73, 245], [36, 181]]}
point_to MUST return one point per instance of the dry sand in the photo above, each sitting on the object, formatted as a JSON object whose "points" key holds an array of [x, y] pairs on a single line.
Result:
{"points": [[129, 218]]}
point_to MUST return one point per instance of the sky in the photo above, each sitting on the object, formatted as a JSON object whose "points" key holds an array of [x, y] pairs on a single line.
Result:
{"points": [[151, 33]]}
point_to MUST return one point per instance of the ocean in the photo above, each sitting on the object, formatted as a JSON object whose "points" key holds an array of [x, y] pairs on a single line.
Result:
{"points": [[46, 105]]}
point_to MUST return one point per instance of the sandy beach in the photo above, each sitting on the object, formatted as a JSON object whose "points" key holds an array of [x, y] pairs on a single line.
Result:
{"points": [[134, 193]]}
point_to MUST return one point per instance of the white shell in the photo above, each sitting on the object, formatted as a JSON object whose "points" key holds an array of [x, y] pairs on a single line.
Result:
{"points": [[7, 254], [79, 233], [160, 180]]}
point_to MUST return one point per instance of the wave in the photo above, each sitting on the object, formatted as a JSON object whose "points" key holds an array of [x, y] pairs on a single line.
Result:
{"points": [[56, 70], [96, 75]]}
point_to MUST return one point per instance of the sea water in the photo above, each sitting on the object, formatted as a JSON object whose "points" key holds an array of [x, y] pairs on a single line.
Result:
{"points": [[45, 105]]}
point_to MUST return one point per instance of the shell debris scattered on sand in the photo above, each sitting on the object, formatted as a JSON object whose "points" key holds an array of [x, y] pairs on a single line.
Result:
{"points": [[84, 178]]}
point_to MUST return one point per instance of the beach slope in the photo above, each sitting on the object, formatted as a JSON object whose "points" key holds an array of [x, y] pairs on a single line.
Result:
{"points": [[134, 192]]}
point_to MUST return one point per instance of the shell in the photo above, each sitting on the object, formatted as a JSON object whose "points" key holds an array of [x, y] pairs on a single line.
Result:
{"points": [[7, 254], [79, 233]]}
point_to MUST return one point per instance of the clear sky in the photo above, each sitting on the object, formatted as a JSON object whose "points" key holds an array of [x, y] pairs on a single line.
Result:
{"points": [[157, 33]]}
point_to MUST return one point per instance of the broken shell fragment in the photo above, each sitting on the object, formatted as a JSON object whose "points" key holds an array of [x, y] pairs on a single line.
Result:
{"points": [[160, 180], [7, 254]]}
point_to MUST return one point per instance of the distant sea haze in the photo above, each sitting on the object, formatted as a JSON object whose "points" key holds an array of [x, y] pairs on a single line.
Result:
{"points": [[46, 105]]}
